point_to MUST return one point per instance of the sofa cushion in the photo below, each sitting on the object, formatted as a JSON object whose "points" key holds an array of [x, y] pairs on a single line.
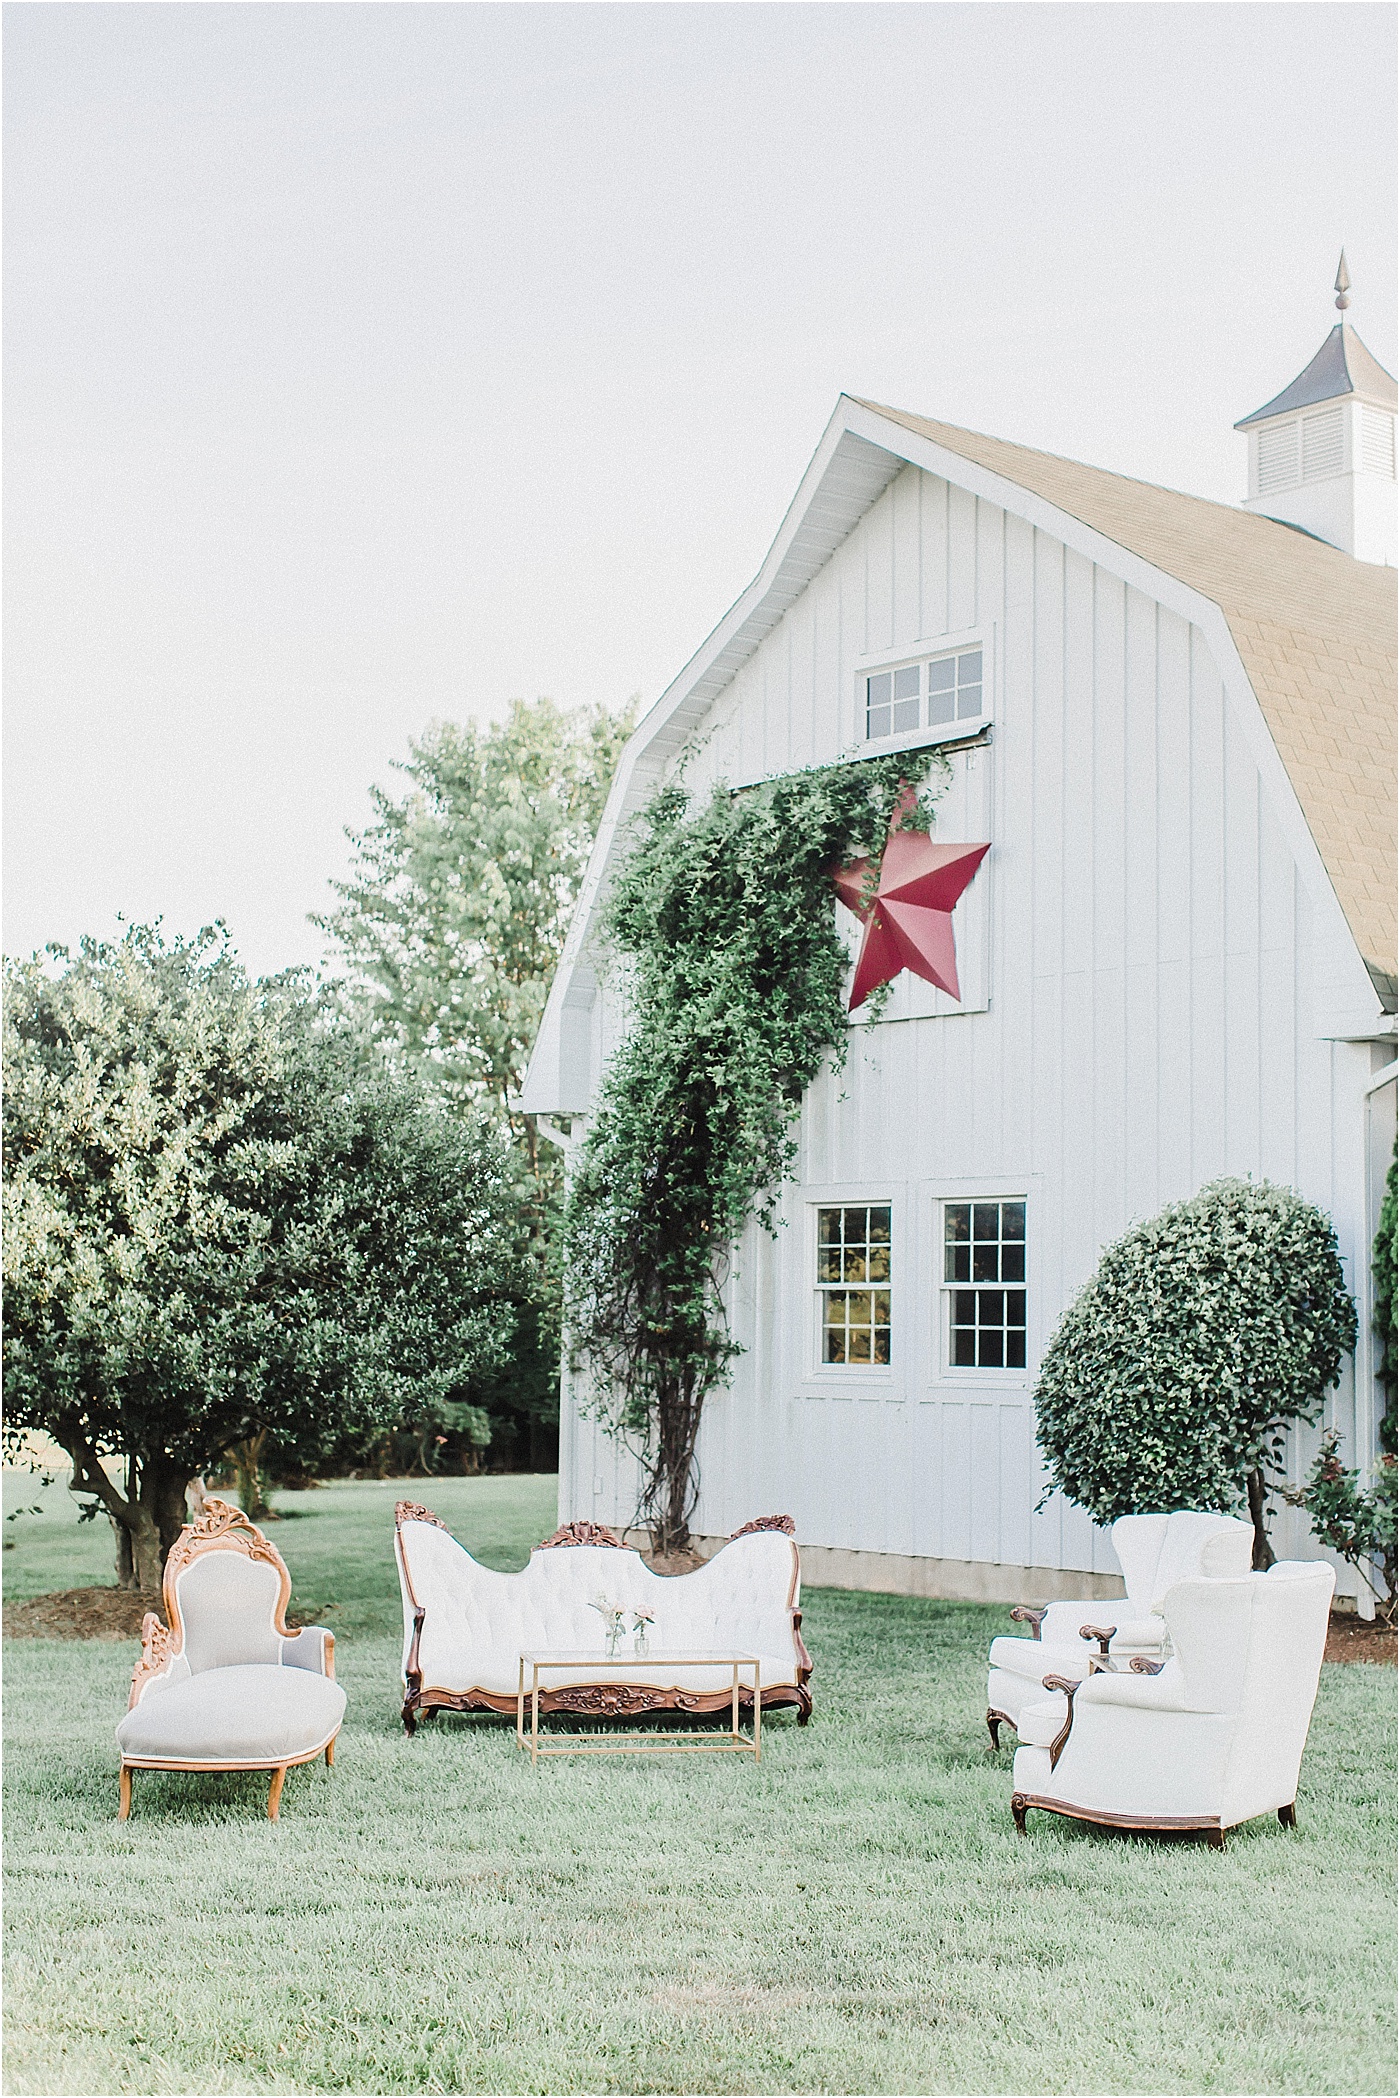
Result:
{"points": [[245, 1716], [499, 1673]]}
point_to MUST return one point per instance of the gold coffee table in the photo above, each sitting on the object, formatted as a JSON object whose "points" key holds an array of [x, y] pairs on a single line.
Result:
{"points": [[633, 1668]]}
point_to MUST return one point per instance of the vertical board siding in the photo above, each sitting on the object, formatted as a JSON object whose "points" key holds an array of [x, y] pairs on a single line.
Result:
{"points": [[1137, 966]]}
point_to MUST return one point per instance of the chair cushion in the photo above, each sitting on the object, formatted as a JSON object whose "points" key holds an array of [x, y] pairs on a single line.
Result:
{"points": [[1031, 1658], [1039, 1723], [244, 1716], [228, 1606]]}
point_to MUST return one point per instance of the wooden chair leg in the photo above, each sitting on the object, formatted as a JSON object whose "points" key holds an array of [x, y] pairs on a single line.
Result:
{"points": [[274, 1791], [993, 1726], [1288, 1816], [1018, 1813], [330, 1755], [124, 1793]]}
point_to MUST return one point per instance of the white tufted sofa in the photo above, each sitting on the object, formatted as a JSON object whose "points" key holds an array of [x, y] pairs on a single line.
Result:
{"points": [[466, 1626]]}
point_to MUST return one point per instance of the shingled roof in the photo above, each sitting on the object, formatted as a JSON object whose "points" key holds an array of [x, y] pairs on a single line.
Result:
{"points": [[1315, 630]]}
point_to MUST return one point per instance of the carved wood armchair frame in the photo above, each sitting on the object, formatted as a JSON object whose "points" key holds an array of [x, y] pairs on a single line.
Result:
{"points": [[219, 1527], [1207, 1825]]}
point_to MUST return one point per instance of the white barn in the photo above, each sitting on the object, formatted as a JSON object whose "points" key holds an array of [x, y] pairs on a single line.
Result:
{"points": [[1174, 721]]}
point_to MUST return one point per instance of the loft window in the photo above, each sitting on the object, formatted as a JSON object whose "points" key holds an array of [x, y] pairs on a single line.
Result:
{"points": [[853, 1284], [892, 701], [984, 1284], [937, 693], [955, 688]]}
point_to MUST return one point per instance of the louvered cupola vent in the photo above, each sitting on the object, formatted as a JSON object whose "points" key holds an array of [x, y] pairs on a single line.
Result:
{"points": [[1322, 452], [1322, 445], [1278, 458]]}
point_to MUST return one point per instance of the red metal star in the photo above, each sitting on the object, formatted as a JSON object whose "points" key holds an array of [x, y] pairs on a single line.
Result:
{"points": [[909, 914]]}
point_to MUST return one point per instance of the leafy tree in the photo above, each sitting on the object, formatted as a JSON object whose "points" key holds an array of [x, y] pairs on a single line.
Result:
{"points": [[726, 913], [221, 1218], [454, 918], [450, 929], [1174, 1374]]}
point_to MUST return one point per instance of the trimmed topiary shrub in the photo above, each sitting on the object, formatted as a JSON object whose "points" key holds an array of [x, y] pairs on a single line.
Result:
{"points": [[1174, 1374]]}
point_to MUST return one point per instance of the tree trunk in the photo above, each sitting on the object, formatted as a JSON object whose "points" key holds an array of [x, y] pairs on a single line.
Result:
{"points": [[126, 1565], [148, 1561], [160, 1517], [1263, 1550], [146, 1519], [670, 1492], [247, 1465]]}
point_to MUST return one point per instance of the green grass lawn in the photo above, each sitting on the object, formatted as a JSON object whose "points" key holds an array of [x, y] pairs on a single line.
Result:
{"points": [[855, 1914]]}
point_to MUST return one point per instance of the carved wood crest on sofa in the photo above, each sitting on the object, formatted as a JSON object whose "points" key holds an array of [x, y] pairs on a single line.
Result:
{"points": [[465, 1626], [226, 1685]]}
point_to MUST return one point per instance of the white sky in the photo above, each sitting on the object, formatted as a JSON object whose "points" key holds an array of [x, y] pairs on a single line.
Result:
{"points": [[370, 363]]}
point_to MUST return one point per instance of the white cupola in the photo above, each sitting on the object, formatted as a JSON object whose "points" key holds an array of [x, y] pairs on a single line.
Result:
{"points": [[1322, 452]]}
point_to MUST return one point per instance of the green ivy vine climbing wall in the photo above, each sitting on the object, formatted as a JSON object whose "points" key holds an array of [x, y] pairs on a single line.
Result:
{"points": [[724, 911]]}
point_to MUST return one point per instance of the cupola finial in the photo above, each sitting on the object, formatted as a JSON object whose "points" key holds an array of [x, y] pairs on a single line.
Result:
{"points": [[1343, 284]]}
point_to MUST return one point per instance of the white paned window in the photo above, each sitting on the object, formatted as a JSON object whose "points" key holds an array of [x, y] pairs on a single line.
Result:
{"points": [[1278, 458], [1377, 442], [944, 691], [955, 688], [892, 701], [984, 1284], [1322, 445], [853, 1284]]}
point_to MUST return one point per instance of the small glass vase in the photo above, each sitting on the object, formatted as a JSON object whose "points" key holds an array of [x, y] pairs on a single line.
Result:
{"points": [[639, 1642], [614, 1638]]}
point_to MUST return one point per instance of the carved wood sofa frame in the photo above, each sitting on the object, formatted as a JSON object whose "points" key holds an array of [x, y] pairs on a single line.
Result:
{"points": [[219, 1527], [599, 1700]]}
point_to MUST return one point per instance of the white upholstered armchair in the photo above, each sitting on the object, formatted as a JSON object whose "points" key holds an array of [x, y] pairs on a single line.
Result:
{"points": [[1154, 1552], [227, 1686], [1205, 1740]]}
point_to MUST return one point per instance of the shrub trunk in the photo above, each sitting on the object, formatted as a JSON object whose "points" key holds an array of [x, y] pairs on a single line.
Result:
{"points": [[1258, 1496]]}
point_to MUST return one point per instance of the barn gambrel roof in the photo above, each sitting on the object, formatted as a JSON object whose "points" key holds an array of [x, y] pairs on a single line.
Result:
{"points": [[1311, 628], [1314, 627]]}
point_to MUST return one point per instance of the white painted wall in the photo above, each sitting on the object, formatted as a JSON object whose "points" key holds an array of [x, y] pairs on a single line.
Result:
{"points": [[1137, 952]]}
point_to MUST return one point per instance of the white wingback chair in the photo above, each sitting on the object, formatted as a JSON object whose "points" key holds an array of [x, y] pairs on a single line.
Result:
{"points": [[227, 1686], [1154, 1552], [466, 1626], [1205, 1740]]}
